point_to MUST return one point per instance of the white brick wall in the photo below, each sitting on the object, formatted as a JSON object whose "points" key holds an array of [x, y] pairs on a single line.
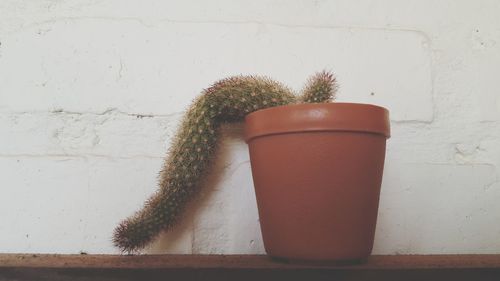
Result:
{"points": [[92, 91]]}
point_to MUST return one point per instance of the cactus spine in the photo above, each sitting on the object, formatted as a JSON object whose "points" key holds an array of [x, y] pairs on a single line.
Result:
{"points": [[195, 144]]}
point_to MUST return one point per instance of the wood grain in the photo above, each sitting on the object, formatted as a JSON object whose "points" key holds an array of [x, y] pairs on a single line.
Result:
{"points": [[243, 267]]}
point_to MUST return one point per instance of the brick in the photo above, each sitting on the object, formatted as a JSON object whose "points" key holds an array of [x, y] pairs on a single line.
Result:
{"points": [[128, 67], [433, 208]]}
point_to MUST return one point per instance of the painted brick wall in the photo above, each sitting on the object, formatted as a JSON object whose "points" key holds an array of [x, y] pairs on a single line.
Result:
{"points": [[91, 92]]}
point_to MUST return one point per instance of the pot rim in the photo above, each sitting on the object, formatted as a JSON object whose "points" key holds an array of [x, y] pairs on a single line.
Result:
{"points": [[314, 117]]}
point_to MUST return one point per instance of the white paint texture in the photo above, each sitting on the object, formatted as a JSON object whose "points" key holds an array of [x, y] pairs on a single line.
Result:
{"points": [[92, 91]]}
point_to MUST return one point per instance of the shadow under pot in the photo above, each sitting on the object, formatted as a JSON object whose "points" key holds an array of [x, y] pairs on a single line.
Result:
{"points": [[317, 171]]}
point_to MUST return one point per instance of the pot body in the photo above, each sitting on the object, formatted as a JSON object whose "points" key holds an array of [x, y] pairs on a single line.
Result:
{"points": [[317, 172]]}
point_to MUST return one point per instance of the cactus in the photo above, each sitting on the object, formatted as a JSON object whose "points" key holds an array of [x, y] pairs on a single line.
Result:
{"points": [[193, 148]]}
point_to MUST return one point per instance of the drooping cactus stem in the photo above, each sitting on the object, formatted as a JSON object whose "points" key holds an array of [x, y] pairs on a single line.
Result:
{"points": [[195, 145]]}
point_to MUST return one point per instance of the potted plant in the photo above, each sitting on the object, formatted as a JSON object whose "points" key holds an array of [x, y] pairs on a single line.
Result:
{"points": [[230, 100], [317, 171]]}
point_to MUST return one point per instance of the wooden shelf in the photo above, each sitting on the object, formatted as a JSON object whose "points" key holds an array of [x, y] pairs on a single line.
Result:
{"points": [[243, 267]]}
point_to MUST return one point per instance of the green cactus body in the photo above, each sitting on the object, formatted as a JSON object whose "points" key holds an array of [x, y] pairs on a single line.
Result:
{"points": [[193, 148]]}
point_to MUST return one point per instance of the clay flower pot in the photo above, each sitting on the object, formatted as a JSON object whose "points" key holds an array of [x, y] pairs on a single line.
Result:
{"points": [[317, 171]]}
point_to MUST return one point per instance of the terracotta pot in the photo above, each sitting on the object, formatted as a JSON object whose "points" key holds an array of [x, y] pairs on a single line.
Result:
{"points": [[317, 171]]}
